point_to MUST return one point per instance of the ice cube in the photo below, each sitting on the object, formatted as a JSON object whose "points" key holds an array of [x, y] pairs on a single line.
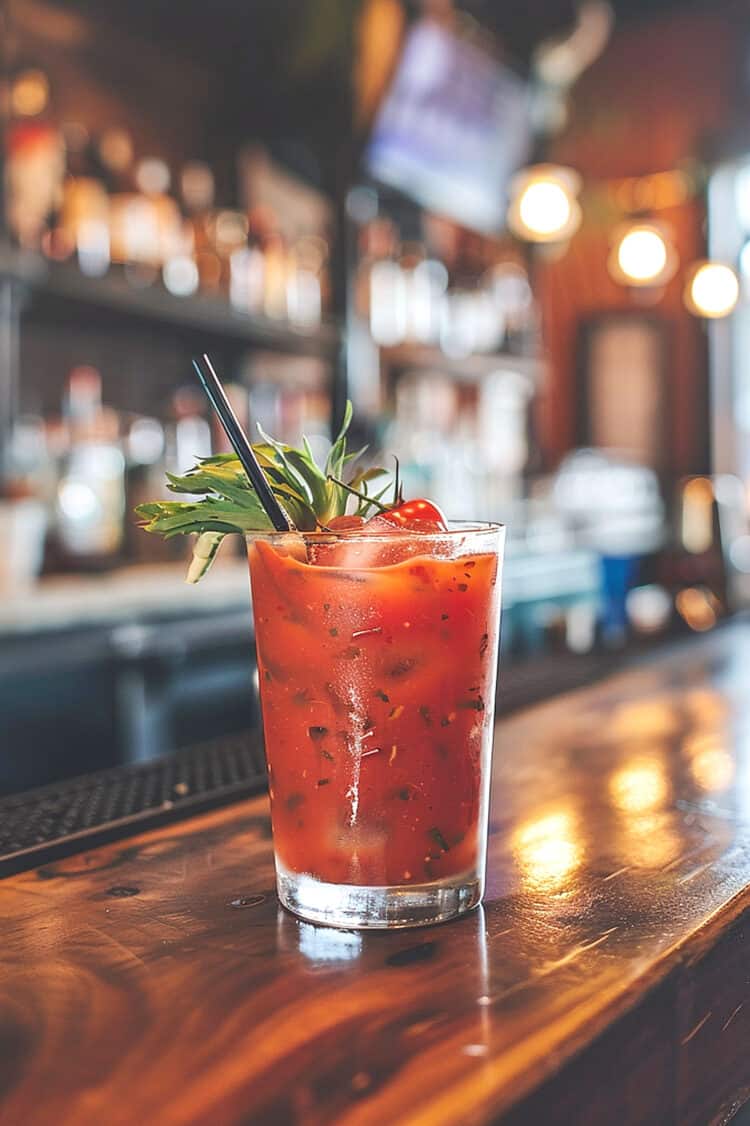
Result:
{"points": [[362, 548]]}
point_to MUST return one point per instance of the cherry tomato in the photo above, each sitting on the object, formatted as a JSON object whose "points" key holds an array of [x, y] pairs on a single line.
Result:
{"points": [[416, 513]]}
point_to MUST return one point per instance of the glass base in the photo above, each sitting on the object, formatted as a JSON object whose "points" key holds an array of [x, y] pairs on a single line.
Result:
{"points": [[353, 907]]}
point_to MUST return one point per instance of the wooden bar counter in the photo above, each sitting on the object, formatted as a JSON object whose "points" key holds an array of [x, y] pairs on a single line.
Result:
{"points": [[605, 980]]}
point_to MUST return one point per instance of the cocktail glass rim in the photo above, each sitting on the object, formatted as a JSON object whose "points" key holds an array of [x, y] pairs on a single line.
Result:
{"points": [[455, 528]]}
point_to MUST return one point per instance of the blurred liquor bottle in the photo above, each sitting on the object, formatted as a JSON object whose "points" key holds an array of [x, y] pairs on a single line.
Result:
{"points": [[90, 501], [114, 155], [188, 435], [694, 568], [197, 191], [83, 225], [306, 281], [247, 270], [275, 275], [34, 160], [144, 447], [25, 495], [146, 227]]}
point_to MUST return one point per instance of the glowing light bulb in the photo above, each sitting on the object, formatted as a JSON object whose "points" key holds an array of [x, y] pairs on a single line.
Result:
{"points": [[642, 255], [545, 207], [713, 290]]}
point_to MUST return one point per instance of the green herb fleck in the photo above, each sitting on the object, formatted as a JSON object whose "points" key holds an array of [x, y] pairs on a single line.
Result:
{"points": [[323, 781], [317, 732], [475, 705], [294, 801], [439, 839], [333, 632], [382, 696]]}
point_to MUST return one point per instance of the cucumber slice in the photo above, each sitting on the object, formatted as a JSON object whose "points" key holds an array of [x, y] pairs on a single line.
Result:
{"points": [[204, 552]]}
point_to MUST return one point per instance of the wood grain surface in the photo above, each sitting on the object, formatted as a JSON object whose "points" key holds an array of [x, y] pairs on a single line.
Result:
{"points": [[156, 980]]}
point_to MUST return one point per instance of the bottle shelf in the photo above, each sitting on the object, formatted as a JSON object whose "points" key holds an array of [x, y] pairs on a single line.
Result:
{"points": [[200, 315]]}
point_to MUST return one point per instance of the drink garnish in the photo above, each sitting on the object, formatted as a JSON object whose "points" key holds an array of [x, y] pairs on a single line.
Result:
{"points": [[416, 515], [310, 494]]}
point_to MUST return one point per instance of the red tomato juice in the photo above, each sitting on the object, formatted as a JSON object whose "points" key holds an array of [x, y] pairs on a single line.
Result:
{"points": [[377, 689]]}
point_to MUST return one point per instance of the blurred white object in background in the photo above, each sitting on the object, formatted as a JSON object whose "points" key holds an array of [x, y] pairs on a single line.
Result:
{"points": [[145, 441], [649, 608], [90, 501], [23, 524], [246, 279], [180, 275], [511, 292], [388, 293], [92, 244], [502, 421], [428, 283], [615, 506], [303, 296]]}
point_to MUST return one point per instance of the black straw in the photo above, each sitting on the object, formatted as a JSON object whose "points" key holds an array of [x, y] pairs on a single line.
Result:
{"points": [[212, 386]]}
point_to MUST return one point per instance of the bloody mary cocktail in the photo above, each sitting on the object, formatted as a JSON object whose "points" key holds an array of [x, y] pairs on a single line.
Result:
{"points": [[377, 660]]}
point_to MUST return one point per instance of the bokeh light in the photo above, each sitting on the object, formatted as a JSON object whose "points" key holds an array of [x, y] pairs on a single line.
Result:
{"points": [[29, 93], [642, 255], [712, 769], [712, 291], [152, 175], [639, 787], [697, 606], [544, 205], [116, 149], [545, 208]]}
